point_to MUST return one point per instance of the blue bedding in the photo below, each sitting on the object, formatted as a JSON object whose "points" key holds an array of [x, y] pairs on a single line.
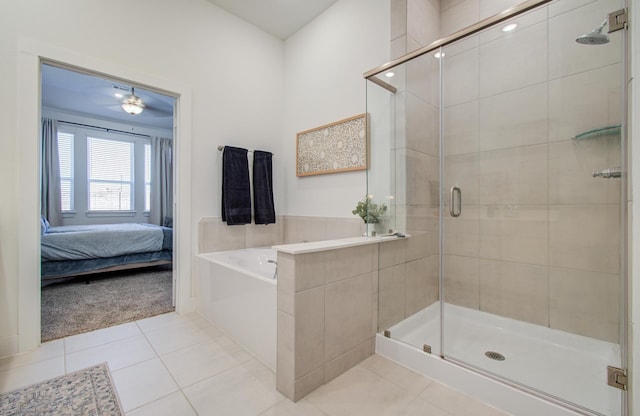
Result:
{"points": [[82, 242], [97, 240]]}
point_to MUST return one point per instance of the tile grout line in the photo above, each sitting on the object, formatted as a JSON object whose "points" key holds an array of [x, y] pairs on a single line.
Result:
{"points": [[179, 390], [97, 345]]}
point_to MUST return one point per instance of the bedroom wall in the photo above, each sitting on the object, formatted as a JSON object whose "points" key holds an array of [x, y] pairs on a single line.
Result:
{"points": [[324, 63], [234, 70]]}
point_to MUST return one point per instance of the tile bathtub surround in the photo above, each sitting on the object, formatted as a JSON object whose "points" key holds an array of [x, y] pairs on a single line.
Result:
{"points": [[216, 235], [217, 377]]}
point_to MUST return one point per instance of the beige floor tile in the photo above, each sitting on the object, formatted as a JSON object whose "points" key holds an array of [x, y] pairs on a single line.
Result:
{"points": [[420, 407], [101, 336], [402, 377], [16, 378], [174, 404], [212, 332], [173, 338], [143, 383], [289, 408], [456, 403], [45, 351], [234, 392], [199, 321], [234, 349], [261, 372], [198, 362], [360, 392], [118, 354], [166, 320]]}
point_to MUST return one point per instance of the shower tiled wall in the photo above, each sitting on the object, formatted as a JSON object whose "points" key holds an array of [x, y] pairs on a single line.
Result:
{"points": [[538, 238]]}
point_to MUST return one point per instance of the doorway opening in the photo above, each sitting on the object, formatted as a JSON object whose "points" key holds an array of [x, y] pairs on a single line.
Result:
{"points": [[107, 189]]}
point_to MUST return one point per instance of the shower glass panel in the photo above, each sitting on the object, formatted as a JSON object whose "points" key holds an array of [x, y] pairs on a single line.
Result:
{"points": [[531, 266], [500, 155], [381, 193], [405, 100]]}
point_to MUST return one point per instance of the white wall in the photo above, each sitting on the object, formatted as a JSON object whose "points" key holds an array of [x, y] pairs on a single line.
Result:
{"points": [[324, 63], [234, 72]]}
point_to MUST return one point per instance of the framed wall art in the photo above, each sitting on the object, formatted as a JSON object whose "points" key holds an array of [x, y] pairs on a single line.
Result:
{"points": [[336, 147]]}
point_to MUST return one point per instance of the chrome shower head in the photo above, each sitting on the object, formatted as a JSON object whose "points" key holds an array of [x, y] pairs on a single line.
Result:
{"points": [[595, 37]]}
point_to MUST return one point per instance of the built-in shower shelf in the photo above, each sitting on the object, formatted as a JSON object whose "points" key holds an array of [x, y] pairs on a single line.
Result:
{"points": [[600, 132]]}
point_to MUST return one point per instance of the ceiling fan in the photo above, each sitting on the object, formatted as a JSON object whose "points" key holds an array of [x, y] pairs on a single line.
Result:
{"points": [[132, 104]]}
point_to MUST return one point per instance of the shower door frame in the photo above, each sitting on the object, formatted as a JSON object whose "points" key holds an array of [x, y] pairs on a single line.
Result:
{"points": [[625, 162]]}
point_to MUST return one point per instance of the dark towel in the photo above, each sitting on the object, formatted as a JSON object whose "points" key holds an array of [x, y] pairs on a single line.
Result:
{"points": [[263, 208], [236, 190]]}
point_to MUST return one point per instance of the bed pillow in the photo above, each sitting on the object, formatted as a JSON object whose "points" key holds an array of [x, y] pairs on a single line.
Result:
{"points": [[44, 225]]}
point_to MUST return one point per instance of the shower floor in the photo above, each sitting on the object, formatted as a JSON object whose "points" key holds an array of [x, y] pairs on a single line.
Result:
{"points": [[568, 366]]}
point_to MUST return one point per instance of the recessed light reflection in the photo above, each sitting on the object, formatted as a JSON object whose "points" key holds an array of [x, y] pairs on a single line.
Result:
{"points": [[389, 74], [439, 55], [118, 95], [509, 27]]}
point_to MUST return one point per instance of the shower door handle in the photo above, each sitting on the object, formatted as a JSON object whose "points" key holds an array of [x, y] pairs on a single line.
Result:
{"points": [[608, 173], [455, 201]]}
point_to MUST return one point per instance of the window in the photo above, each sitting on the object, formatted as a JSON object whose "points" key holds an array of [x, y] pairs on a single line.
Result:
{"points": [[110, 174], [147, 177], [65, 157]]}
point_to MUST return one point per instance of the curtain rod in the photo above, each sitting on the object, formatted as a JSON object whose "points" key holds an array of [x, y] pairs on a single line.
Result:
{"points": [[105, 129]]}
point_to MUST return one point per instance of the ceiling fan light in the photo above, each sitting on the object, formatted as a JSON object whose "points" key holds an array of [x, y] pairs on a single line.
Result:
{"points": [[132, 104]]}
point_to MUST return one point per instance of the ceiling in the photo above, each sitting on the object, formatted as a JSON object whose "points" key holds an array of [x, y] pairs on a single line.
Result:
{"points": [[93, 95], [281, 18]]}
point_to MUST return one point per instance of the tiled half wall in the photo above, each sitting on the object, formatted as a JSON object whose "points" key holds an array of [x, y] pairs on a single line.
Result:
{"points": [[215, 235], [328, 308]]}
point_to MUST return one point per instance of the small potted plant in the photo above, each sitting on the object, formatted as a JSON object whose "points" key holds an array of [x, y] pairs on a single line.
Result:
{"points": [[370, 212]]}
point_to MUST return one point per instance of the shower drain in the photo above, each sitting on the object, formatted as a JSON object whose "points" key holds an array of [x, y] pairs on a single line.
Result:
{"points": [[494, 355]]}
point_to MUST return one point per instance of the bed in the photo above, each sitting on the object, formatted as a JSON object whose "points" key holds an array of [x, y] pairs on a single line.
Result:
{"points": [[77, 250]]}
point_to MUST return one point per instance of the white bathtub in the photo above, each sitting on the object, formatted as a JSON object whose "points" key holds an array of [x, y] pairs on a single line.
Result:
{"points": [[238, 293]]}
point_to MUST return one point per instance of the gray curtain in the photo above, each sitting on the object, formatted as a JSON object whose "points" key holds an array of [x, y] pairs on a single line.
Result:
{"points": [[50, 178], [161, 182]]}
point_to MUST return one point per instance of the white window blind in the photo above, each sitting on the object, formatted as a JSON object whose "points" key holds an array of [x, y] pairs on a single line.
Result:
{"points": [[65, 157], [147, 177], [110, 174]]}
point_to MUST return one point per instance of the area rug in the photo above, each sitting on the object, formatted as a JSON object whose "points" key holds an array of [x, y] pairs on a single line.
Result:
{"points": [[85, 392], [109, 299]]}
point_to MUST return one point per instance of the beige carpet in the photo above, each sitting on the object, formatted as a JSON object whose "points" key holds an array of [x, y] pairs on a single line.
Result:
{"points": [[111, 299], [86, 392]]}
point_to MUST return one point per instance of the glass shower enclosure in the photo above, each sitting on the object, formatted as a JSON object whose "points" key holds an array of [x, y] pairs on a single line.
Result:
{"points": [[501, 150]]}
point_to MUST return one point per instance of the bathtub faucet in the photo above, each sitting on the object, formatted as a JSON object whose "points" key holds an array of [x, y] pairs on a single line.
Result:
{"points": [[275, 273]]}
